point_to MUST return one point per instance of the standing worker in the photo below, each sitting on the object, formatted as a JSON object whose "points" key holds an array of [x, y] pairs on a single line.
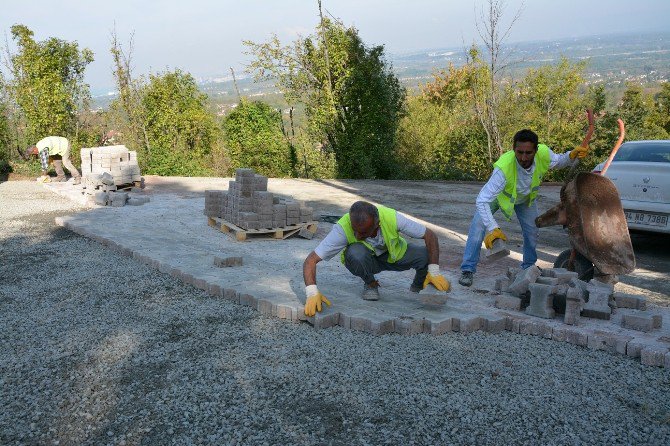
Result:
{"points": [[513, 186], [55, 149], [368, 241]]}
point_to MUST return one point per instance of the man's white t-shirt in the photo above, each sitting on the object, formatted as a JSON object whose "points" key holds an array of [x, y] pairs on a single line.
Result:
{"points": [[336, 240]]}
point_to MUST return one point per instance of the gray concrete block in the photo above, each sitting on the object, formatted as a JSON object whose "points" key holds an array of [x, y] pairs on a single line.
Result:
{"points": [[653, 355], [574, 303], [523, 279], [641, 321], [501, 283], [248, 300], [541, 301], [624, 300], [547, 280], [467, 323], [100, 198], [611, 342], [512, 272], [576, 336], [406, 325], [438, 326], [597, 305], [494, 324]]}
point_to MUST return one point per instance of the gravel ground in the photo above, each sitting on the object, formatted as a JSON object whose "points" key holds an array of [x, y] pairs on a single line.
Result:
{"points": [[96, 348]]}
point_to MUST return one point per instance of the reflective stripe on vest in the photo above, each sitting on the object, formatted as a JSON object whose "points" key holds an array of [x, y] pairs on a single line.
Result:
{"points": [[395, 244], [507, 164]]}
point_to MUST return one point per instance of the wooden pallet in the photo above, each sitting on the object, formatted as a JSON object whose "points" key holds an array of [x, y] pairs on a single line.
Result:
{"points": [[309, 228]]}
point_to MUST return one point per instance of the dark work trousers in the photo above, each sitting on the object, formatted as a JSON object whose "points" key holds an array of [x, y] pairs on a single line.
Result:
{"points": [[363, 263]]}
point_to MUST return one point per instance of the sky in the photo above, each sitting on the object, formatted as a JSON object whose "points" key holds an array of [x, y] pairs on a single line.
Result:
{"points": [[204, 37]]}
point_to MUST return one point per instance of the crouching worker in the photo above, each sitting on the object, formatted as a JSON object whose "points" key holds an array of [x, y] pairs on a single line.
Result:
{"points": [[368, 241], [56, 150]]}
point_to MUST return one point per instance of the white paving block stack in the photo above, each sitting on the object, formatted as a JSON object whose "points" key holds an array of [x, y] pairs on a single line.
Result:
{"points": [[104, 169], [117, 161], [249, 205]]}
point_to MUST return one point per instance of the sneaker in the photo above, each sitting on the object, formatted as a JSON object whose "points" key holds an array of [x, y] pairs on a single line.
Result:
{"points": [[371, 291], [466, 278], [77, 180], [415, 289]]}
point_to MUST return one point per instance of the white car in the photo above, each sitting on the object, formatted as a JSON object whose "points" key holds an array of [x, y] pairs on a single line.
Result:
{"points": [[640, 171]]}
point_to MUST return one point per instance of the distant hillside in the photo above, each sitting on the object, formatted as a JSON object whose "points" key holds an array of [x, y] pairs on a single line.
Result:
{"points": [[612, 60]]}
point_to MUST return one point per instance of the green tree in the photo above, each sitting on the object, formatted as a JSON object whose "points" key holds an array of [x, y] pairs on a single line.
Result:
{"points": [[181, 130], [48, 83], [639, 113], [663, 106], [254, 138], [352, 100]]}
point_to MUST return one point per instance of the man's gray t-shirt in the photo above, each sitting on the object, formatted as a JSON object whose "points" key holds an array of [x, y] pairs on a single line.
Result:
{"points": [[336, 240]]}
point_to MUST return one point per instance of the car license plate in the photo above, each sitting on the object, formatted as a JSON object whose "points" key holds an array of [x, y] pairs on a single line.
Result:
{"points": [[645, 218]]}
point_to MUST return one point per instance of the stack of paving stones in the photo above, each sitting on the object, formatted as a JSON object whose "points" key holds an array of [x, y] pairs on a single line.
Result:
{"points": [[541, 292], [104, 169], [249, 205]]}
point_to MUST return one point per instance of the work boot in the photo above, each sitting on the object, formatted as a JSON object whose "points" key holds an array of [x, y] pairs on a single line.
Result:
{"points": [[77, 180], [60, 179], [415, 289], [466, 278], [371, 291]]}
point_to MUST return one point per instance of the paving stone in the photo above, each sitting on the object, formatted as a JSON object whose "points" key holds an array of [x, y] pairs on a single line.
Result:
{"points": [[653, 355], [501, 283], [559, 334], [635, 302], [265, 307], [635, 346], [565, 276], [494, 324], [513, 324], [545, 329], [576, 336], [248, 300], [573, 305], [600, 340], [407, 325], [523, 279], [597, 306], [439, 325], [512, 272], [547, 280], [100, 198], [326, 319], [360, 322], [541, 301], [508, 302], [466, 323], [641, 322], [529, 327]]}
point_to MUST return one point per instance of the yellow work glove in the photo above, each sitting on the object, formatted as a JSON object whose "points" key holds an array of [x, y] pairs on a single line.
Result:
{"points": [[314, 300], [436, 279], [44, 179], [579, 152], [493, 236]]}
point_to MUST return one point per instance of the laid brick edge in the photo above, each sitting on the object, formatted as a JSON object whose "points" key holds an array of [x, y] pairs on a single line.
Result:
{"points": [[650, 352]]}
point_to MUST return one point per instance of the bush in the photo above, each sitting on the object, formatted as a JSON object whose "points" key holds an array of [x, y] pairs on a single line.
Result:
{"points": [[252, 133]]}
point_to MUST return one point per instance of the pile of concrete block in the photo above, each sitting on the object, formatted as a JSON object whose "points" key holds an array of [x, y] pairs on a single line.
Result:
{"points": [[104, 169], [541, 293], [249, 205], [116, 161]]}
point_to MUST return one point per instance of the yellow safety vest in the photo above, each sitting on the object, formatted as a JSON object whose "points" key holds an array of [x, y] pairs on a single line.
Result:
{"points": [[395, 244], [507, 164]]}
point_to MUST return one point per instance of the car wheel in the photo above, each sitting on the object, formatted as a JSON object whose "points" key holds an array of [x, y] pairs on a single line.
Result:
{"points": [[581, 265]]}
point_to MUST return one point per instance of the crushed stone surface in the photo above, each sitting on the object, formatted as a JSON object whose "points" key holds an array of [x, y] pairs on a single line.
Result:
{"points": [[96, 348]]}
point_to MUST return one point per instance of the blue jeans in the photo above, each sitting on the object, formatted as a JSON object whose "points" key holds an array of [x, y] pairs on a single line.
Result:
{"points": [[526, 215]]}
